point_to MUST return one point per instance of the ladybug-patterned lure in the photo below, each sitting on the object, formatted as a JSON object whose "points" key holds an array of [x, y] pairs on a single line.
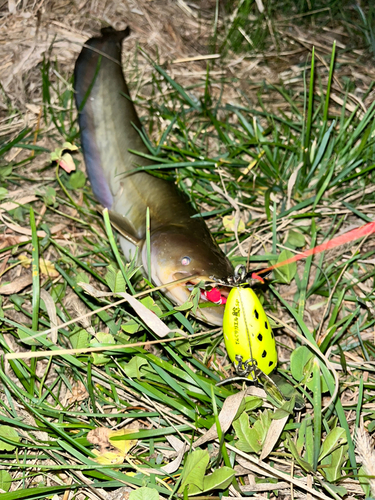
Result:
{"points": [[247, 334]]}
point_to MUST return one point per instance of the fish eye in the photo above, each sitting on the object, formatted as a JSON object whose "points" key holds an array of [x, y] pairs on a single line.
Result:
{"points": [[185, 261]]}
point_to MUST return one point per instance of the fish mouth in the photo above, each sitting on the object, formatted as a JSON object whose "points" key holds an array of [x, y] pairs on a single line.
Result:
{"points": [[212, 294]]}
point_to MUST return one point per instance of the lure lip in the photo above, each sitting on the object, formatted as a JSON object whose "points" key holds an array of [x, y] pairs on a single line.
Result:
{"points": [[243, 277]]}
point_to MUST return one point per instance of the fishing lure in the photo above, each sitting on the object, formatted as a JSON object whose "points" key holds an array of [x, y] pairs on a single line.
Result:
{"points": [[249, 339], [248, 336], [247, 333]]}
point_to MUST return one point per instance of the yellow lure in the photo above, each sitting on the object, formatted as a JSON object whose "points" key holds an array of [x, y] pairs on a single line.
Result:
{"points": [[247, 333]]}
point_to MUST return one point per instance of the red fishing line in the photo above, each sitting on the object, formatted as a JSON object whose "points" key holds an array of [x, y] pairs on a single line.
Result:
{"points": [[215, 296], [355, 234]]}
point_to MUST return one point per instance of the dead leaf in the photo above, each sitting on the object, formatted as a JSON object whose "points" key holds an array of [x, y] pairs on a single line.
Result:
{"points": [[111, 452], [283, 485], [12, 6], [56, 229], [175, 464], [25, 261], [291, 182], [10, 240], [94, 292], [231, 224], [34, 108], [79, 393], [223, 193], [67, 163], [226, 416], [16, 285], [11, 205], [47, 268], [246, 464], [273, 434], [260, 6], [4, 263], [28, 232], [150, 318], [176, 443], [99, 437], [51, 311], [22, 230]]}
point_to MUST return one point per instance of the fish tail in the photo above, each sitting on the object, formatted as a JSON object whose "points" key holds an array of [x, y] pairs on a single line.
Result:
{"points": [[117, 36]]}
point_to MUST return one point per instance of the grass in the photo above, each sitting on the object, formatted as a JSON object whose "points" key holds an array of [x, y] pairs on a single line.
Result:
{"points": [[300, 175], [249, 30]]}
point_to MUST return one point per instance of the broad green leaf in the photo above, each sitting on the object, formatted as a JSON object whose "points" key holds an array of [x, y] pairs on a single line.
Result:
{"points": [[364, 481], [5, 171], [115, 279], [285, 274], [286, 409], [302, 434], [25, 338], [5, 480], [301, 368], [250, 403], [144, 493], [56, 155], [251, 439], [49, 196], [69, 146], [336, 489], [131, 326], [100, 339], [302, 463], [82, 277], [262, 425], [79, 338], [334, 439], [9, 433], [103, 338], [296, 239], [133, 367], [243, 432], [194, 469], [3, 193], [334, 463], [218, 480], [185, 306], [77, 180], [231, 224], [288, 391], [57, 292], [152, 305]]}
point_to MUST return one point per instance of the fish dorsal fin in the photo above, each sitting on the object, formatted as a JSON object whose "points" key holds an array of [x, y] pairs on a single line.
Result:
{"points": [[124, 227]]}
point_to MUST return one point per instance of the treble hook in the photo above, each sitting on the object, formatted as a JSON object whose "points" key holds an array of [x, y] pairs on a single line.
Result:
{"points": [[241, 277]]}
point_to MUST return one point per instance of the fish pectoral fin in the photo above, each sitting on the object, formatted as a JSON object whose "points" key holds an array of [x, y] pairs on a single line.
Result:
{"points": [[124, 227]]}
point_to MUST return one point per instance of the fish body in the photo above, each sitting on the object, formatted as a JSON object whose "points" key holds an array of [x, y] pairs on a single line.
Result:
{"points": [[181, 246]]}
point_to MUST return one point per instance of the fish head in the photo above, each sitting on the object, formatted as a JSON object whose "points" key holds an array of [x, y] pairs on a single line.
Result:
{"points": [[176, 254]]}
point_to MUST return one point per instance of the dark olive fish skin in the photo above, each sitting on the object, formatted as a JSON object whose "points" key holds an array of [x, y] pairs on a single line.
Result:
{"points": [[108, 122]]}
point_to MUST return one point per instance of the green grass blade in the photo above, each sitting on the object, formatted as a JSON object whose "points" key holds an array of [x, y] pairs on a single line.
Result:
{"points": [[317, 399]]}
